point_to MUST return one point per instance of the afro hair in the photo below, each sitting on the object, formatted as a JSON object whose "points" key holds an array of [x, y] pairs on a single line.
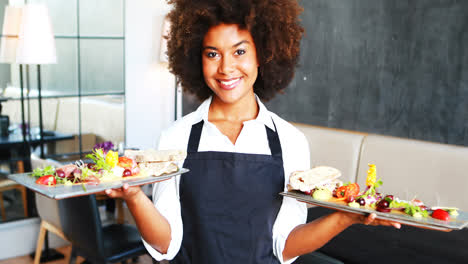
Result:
{"points": [[275, 28]]}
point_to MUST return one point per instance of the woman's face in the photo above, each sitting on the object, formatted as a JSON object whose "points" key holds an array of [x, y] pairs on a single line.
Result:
{"points": [[229, 60]]}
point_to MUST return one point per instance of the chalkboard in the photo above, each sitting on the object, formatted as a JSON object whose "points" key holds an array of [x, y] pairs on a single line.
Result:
{"points": [[388, 67]]}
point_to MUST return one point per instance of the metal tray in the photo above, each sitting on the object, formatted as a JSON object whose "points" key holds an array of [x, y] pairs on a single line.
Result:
{"points": [[455, 223], [61, 191]]}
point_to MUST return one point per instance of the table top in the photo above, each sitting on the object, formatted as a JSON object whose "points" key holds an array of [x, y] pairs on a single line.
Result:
{"points": [[16, 138]]}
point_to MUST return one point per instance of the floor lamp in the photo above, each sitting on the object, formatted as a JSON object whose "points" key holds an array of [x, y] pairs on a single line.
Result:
{"points": [[36, 46]]}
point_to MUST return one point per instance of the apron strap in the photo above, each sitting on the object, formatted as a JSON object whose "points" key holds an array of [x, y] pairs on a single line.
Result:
{"points": [[194, 139], [273, 139]]}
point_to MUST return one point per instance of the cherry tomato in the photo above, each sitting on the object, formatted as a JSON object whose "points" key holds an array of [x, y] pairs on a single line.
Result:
{"points": [[125, 162], [47, 180], [127, 173], [346, 191], [441, 215]]}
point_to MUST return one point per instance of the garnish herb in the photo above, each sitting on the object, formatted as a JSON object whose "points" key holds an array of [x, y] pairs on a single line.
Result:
{"points": [[99, 159], [38, 172]]}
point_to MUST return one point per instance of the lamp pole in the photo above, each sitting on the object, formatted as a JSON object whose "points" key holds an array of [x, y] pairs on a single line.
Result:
{"points": [[26, 157], [36, 46], [41, 123]]}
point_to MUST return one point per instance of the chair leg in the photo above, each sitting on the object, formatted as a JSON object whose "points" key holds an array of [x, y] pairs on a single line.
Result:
{"points": [[25, 200], [2, 207], [40, 243], [67, 258], [120, 211], [73, 258]]}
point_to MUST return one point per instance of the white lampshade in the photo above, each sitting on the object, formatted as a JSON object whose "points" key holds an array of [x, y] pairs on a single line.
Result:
{"points": [[36, 44], [9, 41]]}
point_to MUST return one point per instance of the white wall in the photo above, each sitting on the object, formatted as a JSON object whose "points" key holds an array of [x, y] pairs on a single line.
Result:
{"points": [[149, 85], [19, 238]]}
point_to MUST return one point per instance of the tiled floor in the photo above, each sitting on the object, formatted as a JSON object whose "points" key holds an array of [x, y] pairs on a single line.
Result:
{"points": [[145, 259]]}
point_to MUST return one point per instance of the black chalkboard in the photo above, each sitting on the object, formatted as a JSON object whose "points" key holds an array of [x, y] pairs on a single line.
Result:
{"points": [[381, 66]]}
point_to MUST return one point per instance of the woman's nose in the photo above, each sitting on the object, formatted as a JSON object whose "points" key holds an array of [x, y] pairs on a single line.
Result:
{"points": [[227, 65]]}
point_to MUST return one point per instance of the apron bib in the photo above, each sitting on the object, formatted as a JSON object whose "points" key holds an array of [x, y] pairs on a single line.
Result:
{"points": [[229, 203]]}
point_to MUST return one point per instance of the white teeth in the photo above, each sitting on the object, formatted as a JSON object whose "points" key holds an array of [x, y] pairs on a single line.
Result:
{"points": [[230, 82]]}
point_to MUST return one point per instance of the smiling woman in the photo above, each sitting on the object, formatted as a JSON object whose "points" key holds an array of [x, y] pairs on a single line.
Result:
{"points": [[233, 54]]}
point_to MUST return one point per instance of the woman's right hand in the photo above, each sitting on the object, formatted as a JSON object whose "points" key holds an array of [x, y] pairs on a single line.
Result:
{"points": [[125, 192]]}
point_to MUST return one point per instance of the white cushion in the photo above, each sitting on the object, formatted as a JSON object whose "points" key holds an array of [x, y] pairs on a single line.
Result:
{"points": [[434, 173]]}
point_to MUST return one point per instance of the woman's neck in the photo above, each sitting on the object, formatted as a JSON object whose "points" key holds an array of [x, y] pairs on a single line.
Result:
{"points": [[240, 111]]}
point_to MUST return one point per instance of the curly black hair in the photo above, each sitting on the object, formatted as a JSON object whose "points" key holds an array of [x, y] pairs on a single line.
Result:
{"points": [[275, 28]]}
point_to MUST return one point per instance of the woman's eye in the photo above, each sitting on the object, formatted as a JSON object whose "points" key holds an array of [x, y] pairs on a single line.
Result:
{"points": [[240, 52], [211, 54]]}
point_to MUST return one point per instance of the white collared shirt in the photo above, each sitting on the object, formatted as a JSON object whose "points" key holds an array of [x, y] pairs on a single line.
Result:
{"points": [[253, 140]]}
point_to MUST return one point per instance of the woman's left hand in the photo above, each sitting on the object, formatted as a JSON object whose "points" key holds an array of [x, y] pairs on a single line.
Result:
{"points": [[371, 220]]}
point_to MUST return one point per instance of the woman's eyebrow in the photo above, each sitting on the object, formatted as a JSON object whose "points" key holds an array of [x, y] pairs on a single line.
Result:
{"points": [[235, 45], [242, 42]]}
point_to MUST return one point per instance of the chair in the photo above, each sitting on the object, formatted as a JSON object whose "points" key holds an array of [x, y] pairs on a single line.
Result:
{"points": [[48, 211], [82, 225], [50, 221], [6, 185]]}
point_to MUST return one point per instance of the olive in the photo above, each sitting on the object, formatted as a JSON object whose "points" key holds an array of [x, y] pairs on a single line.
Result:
{"points": [[383, 203], [361, 201], [60, 173], [91, 166]]}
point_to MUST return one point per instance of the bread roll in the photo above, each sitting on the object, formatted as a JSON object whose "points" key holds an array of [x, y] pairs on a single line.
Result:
{"points": [[151, 155], [305, 181], [158, 168]]}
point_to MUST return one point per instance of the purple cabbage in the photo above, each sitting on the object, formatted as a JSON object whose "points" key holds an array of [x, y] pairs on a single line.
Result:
{"points": [[105, 146]]}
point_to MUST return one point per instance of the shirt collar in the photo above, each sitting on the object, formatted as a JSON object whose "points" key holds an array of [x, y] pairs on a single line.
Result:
{"points": [[264, 116]]}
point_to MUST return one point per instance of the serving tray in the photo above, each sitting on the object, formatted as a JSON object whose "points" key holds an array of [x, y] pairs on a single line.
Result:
{"points": [[66, 191], [455, 223]]}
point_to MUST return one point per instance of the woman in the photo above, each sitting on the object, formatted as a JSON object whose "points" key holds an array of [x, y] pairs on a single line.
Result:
{"points": [[233, 54]]}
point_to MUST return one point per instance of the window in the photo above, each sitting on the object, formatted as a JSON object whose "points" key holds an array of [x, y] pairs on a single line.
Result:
{"points": [[84, 93]]}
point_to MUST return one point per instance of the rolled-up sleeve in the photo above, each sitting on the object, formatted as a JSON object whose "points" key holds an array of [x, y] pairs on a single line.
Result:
{"points": [[296, 156], [292, 213], [166, 200]]}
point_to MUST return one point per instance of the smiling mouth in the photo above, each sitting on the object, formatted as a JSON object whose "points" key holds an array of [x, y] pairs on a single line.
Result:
{"points": [[229, 84]]}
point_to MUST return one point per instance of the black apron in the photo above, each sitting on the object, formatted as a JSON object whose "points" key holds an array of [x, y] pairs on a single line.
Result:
{"points": [[229, 203]]}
